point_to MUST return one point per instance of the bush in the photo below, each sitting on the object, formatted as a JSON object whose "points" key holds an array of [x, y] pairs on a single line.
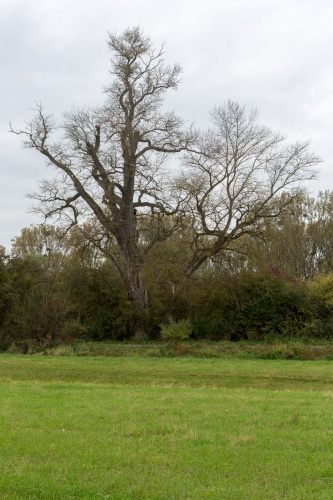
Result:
{"points": [[99, 299], [252, 306], [176, 331], [73, 331], [38, 305]]}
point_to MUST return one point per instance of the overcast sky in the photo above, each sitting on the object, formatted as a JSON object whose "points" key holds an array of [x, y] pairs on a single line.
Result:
{"points": [[274, 55]]}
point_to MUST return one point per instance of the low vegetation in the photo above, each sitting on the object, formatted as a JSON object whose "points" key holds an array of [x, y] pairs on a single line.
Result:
{"points": [[292, 350], [176, 331]]}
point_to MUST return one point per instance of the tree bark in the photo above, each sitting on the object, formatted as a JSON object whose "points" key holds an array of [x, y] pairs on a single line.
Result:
{"points": [[133, 262]]}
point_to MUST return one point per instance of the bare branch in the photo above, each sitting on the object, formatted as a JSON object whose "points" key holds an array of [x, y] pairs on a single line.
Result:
{"points": [[237, 177]]}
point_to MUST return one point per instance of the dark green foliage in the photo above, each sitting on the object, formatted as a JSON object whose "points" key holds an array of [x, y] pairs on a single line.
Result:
{"points": [[42, 306], [36, 305], [98, 298], [251, 306], [73, 331], [45, 302], [4, 291]]}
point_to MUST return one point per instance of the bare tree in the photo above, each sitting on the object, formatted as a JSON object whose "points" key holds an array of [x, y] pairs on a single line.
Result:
{"points": [[235, 179], [111, 169], [111, 159]]}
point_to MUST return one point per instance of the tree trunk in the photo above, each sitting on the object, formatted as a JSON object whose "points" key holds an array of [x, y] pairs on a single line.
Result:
{"points": [[138, 295], [137, 292], [134, 273]]}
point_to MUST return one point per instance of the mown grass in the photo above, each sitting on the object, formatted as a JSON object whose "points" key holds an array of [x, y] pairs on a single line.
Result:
{"points": [[176, 428]]}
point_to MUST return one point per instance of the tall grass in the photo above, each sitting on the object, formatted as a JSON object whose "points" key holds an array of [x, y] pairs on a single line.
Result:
{"points": [[272, 349]]}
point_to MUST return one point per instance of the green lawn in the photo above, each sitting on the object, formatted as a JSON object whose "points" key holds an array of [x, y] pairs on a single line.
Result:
{"points": [[159, 428]]}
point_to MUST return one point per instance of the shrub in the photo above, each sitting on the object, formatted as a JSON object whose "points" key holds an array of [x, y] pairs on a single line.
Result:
{"points": [[176, 331], [73, 331], [252, 306]]}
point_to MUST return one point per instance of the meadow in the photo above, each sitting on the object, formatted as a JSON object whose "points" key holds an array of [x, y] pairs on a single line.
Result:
{"points": [[165, 428]]}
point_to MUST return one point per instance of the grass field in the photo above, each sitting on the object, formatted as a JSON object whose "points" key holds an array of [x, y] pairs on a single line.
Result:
{"points": [[160, 428]]}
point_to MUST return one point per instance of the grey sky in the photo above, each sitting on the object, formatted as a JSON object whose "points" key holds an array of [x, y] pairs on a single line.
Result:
{"points": [[274, 55]]}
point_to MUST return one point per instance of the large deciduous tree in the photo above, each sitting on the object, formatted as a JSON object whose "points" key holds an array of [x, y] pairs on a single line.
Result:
{"points": [[111, 169], [111, 158]]}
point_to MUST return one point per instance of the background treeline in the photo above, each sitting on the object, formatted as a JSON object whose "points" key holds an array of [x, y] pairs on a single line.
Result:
{"points": [[62, 288]]}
